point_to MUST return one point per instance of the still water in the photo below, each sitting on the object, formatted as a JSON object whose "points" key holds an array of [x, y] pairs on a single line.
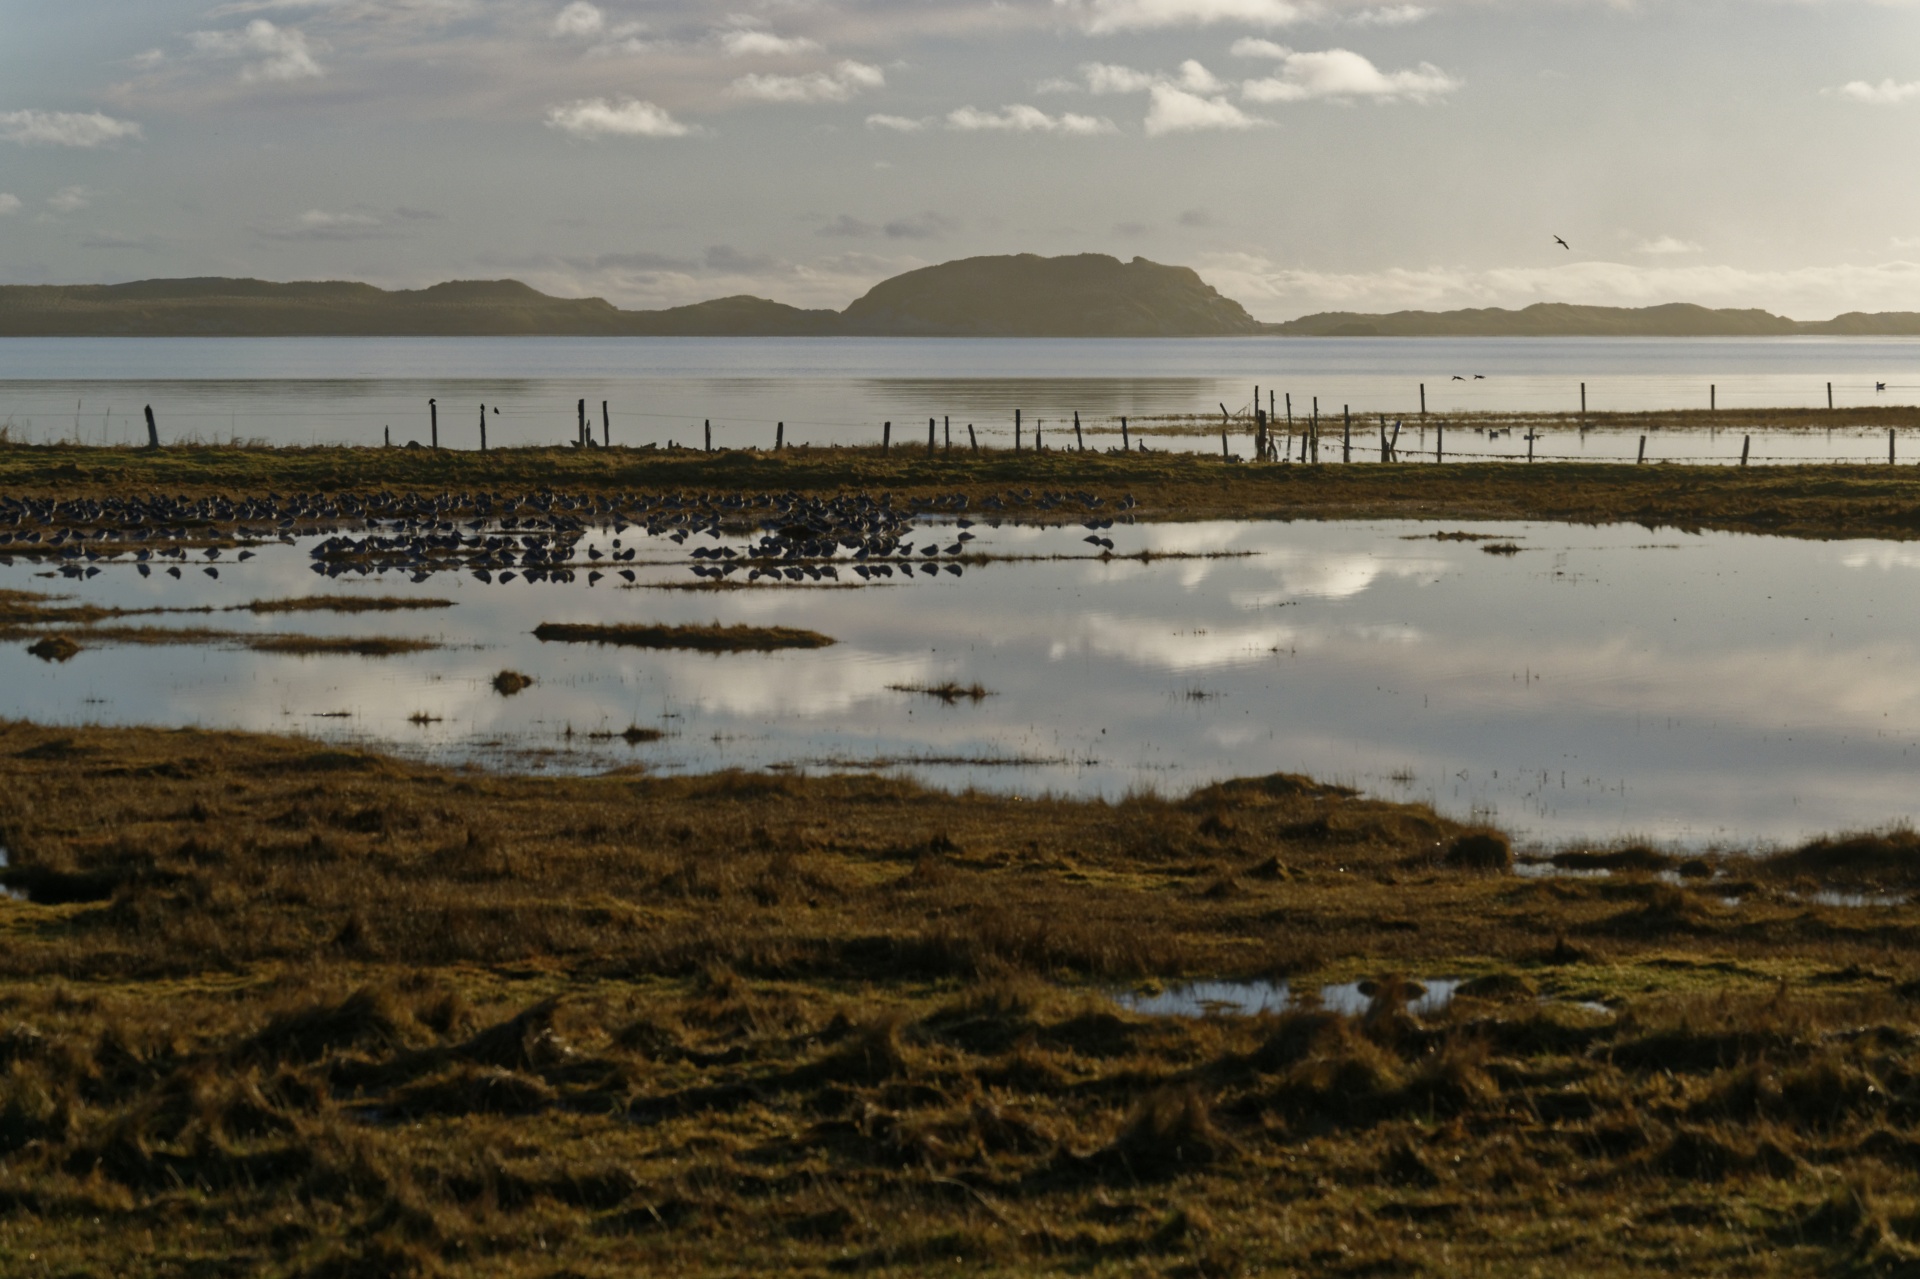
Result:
{"points": [[840, 390], [1595, 683]]}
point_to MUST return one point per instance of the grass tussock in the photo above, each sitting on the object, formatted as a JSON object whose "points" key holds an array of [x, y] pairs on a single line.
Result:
{"points": [[54, 648], [948, 691], [710, 638], [304, 1010], [507, 683], [339, 645], [344, 604]]}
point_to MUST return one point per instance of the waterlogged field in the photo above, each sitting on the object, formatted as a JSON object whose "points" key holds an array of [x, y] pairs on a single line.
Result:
{"points": [[837, 863], [1561, 681]]}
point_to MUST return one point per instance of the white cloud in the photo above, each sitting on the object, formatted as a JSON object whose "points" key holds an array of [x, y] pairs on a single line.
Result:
{"points": [[580, 20], [1885, 94], [275, 53], [617, 117], [8, 204], [322, 226], [841, 84], [1102, 16], [1394, 15], [69, 199], [1174, 110], [895, 123], [1020, 118], [1338, 74], [1667, 246], [765, 44], [1104, 78], [64, 128]]}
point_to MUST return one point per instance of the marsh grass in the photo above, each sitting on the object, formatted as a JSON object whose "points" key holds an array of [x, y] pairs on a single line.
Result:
{"points": [[947, 691], [710, 638], [342, 604], [274, 1006], [1815, 500]]}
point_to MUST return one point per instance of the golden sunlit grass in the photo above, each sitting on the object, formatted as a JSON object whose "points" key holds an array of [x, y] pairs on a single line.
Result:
{"points": [[279, 1007]]}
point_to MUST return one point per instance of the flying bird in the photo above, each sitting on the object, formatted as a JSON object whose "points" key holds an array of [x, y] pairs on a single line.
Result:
{"points": [[1563, 244]]}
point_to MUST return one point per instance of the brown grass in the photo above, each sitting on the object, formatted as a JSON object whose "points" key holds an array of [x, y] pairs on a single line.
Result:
{"points": [[948, 692], [711, 638], [1805, 501], [332, 645], [343, 604], [279, 1007]]}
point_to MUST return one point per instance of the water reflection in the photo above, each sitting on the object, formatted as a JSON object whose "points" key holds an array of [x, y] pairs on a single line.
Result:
{"points": [[1600, 684], [1250, 998]]}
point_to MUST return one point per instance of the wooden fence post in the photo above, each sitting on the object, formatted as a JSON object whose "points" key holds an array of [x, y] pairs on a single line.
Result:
{"points": [[1079, 440], [1016, 430], [930, 426], [483, 428], [153, 431], [1346, 433], [1125, 447], [433, 422], [1423, 399], [886, 437], [709, 429], [606, 426], [946, 432], [1746, 442], [580, 431], [1643, 450], [779, 436], [973, 439]]}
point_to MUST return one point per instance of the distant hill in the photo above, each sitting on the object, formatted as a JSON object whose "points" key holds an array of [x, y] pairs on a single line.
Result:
{"points": [[1561, 319], [1023, 295], [1089, 295]]}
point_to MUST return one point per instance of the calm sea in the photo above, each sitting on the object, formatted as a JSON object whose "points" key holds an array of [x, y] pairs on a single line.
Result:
{"points": [[841, 390]]}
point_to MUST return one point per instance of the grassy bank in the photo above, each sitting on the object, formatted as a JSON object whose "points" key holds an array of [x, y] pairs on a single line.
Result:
{"points": [[1802, 501], [276, 1007]]}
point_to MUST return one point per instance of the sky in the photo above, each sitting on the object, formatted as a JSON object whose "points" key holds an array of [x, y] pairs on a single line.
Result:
{"points": [[1302, 155]]}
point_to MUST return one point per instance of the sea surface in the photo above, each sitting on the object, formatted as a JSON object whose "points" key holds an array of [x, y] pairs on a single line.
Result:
{"points": [[366, 391], [1584, 683]]}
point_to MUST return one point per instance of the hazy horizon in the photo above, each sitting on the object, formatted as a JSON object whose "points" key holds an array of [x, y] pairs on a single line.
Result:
{"points": [[1301, 155]]}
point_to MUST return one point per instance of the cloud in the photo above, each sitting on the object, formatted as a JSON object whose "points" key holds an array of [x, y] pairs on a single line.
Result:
{"points": [[579, 20], [617, 117], [926, 226], [1103, 16], [1884, 94], [1666, 246], [764, 44], [1105, 78], [320, 226], [143, 244], [8, 204], [895, 123], [843, 83], [724, 257], [1020, 118], [64, 128], [69, 199], [1196, 218], [1338, 74], [1394, 15], [1174, 110], [278, 54]]}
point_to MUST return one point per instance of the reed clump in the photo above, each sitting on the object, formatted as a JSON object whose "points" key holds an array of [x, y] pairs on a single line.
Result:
{"points": [[710, 638]]}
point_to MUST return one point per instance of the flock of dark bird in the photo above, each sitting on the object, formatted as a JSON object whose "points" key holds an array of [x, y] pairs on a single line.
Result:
{"points": [[532, 537]]}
